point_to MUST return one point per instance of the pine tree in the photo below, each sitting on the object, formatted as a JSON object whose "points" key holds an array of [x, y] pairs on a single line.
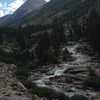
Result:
{"points": [[58, 35], [42, 48]]}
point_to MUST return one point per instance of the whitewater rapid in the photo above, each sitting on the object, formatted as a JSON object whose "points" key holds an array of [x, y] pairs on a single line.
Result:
{"points": [[48, 80]]}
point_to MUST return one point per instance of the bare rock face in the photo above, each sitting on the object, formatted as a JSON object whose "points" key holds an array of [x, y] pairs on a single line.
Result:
{"points": [[97, 72], [10, 87]]}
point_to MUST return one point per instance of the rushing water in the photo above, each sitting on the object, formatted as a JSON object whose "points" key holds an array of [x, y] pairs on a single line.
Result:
{"points": [[57, 75]]}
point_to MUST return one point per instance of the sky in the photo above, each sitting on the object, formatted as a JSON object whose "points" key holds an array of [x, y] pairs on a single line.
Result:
{"points": [[10, 6]]}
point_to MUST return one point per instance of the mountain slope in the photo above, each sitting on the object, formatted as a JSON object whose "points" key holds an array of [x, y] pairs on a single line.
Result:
{"points": [[37, 12], [57, 8], [28, 7]]}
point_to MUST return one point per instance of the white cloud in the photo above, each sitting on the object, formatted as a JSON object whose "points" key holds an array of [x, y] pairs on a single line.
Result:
{"points": [[47, 0], [10, 8], [1, 13], [15, 5]]}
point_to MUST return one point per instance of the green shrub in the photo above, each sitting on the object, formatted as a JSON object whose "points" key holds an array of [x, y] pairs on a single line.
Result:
{"points": [[53, 56], [93, 80], [49, 93], [78, 97], [6, 56], [22, 72]]}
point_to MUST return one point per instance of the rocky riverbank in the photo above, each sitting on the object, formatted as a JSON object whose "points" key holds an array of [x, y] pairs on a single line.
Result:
{"points": [[53, 81], [10, 87]]}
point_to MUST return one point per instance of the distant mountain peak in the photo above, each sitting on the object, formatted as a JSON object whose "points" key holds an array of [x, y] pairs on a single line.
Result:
{"points": [[30, 5]]}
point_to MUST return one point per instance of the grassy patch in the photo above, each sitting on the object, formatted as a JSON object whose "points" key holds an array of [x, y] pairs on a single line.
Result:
{"points": [[49, 93]]}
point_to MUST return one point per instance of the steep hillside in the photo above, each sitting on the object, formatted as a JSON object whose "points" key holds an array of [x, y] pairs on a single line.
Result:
{"points": [[30, 6], [59, 8], [37, 12]]}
